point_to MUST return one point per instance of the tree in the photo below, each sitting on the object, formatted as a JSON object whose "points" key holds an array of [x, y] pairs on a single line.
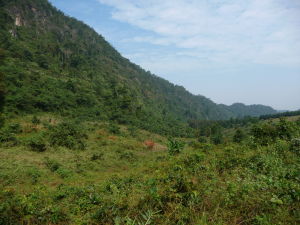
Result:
{"points": [[238, 136], [2, 87]]}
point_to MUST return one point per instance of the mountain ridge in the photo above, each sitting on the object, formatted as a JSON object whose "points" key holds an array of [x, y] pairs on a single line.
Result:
{"points": [[58, 64]]}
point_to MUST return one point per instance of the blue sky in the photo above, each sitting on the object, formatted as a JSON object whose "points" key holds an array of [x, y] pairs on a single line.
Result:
{"points": [[227, 50]]}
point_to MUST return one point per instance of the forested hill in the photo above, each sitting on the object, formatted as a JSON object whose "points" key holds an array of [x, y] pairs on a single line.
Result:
{"points": [[241, 110], [54, 63]]}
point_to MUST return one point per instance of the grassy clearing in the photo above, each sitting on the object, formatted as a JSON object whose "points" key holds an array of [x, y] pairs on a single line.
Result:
{"points": [[119, 178]]}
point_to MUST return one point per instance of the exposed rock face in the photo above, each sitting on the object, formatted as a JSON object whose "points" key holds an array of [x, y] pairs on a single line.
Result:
{"points": [[18, 21]]}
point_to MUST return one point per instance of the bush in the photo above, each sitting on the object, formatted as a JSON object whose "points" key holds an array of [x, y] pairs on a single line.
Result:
{"points": [[239, 136], [34, 174], [267, 133], [67, 134], [15, 128], [264, 134], [37, 143], [1, 120], [217, 139], [52, 164], [64, 173], [35, 120], [295, 145], [202, 139], [175, 147], [128, 156], [97, 156], [114, 128], [132, 131], [8, 134]]}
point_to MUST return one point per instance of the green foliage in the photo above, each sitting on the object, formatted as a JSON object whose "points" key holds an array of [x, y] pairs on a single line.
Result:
{"points": [[67, 134], [202, 139], [35, 120], [52, 164], [126, 155], [37, 143], [8, 134], [97, 156], [132, 131], [217, 138], [121, 182], [34, 174], [280, 115], [295, 145], [114, 128], [64, 173], [267, 133], [2, 87], [57, 65], [60, 65], [239, 136], [175, 146]]}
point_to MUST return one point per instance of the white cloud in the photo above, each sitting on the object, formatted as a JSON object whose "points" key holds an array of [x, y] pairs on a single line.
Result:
{"points": [[221, 31]]}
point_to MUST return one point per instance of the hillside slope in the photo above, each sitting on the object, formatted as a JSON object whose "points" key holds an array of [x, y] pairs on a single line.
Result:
{"points": [[55, 63]]}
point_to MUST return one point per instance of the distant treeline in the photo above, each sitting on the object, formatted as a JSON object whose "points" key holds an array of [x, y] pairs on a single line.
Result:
{"points": [[233, 122], [237, 122], [278, 115]]}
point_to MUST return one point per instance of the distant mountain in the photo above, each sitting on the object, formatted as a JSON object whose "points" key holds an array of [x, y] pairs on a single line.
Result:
{"points": [[58, 64], [282, 111], [241, 110]]}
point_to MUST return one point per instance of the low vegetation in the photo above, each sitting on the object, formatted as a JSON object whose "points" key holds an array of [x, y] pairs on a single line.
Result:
{"points": [[66, 172]]}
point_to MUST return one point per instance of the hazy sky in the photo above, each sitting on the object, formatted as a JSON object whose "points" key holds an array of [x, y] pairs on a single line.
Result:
{"points": [[227, 50]]}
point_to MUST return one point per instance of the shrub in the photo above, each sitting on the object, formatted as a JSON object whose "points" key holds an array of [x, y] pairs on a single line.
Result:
{"points": [[97, 156], [64, 173], [114, 128], [295, 145], [52, 164], [34, 174], [2, 120], [37, 143], [127, 156], [67, 134], [217, 139], [239, 136], [267, 133], [202, 139], [285, 129], [15, 128], [175, 146], [264, 134], [35, 120], [7, 136], [132, 131]]}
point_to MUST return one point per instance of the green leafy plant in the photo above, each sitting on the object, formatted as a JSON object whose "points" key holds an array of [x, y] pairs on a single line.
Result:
{"points": [[37, 143], [52, 164], [97, 156], [114, 128], [67, 134], [239, 136], [295, 145], [175, 146]]}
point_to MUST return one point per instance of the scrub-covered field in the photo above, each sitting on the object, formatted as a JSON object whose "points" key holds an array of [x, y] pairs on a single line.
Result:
{"points": [[56, 171]]}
